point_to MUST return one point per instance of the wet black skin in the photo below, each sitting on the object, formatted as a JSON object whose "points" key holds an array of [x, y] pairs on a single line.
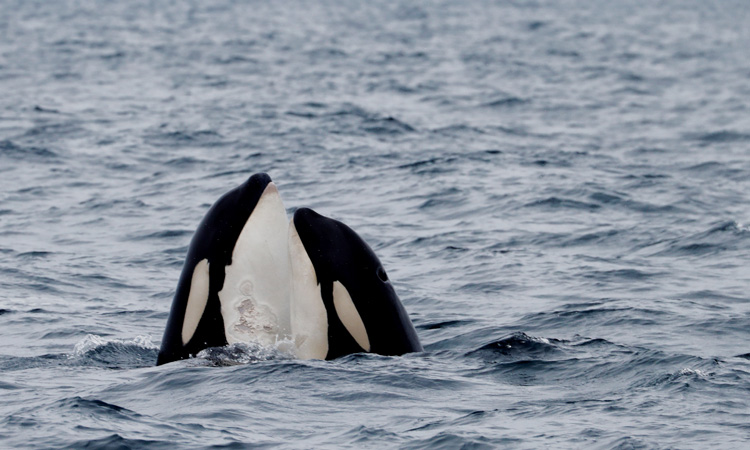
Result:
{"points": [[338, 254], [214, 240]]}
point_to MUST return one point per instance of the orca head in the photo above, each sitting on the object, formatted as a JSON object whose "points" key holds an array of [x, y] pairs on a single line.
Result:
{"points": [[342, 301], [235, 233]]}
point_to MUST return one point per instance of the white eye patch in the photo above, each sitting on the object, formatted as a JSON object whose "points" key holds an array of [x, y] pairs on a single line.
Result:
{"points": [[197, 299], [349, 316]]}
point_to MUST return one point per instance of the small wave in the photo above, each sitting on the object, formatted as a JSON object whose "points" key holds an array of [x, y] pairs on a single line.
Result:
{"points": [[326, 53], [115, 353], [505, 102], [564, 53], [41, 109], [424, 162], [650, 208], [102, 280], [488, 287], [234, 59], [728, 226], [562, 203], [349, 118], [95, 203], [518, 345], [7, 386], [12, 150], [575, 315], [244, 353], [165, 234], [53, 130], [387, 125], [716, 298], [722, 136], [627, 443], [680, 380], [718, 170], [620, 275], [363, 434], [439, 203], [443, 324], [458, 130], [183, 162], [605, 198], [12, 363], [116, 441], [536, 25], [92, 405], [398, 57], [722, 236], [559, 160], [595, 238], [445, 440], [34, 254], [175, 138]]}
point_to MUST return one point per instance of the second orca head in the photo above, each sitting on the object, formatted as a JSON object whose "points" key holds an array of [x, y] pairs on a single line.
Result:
{"points": [[342, 301]]}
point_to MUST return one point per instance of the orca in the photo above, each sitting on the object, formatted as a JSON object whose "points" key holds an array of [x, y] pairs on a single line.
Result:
{"points": [[235, 281], [251, 276], [342, 299]]}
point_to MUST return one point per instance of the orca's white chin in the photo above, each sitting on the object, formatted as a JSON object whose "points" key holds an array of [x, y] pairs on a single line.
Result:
{"points": [[255, 295], [308, 318]]}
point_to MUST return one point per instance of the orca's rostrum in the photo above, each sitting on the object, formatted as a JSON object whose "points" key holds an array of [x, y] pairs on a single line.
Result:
{"points": [[251, 276]]}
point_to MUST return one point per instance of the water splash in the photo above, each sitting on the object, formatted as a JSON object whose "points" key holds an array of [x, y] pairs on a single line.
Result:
{"points": [[244, 353], [115, 353]]}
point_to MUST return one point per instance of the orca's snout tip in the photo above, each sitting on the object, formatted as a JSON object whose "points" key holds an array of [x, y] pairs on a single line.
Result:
{"points": [[305, 216], [260, 177]]}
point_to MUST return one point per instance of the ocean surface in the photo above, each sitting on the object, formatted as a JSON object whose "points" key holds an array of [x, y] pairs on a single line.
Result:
{"points": [[559, 190]]}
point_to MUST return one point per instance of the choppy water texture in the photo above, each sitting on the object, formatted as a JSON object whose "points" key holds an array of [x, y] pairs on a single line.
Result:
{"points": [[558, 189]]}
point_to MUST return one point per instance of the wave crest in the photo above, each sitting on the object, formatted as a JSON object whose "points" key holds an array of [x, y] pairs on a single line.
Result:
{"points": [[115, 353], [244, 353]]}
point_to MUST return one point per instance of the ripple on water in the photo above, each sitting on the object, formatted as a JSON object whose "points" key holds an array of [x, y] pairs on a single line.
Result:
{"points": [[721, 237], [721, 137], [26, 153], [517, 346], [116, 441]]}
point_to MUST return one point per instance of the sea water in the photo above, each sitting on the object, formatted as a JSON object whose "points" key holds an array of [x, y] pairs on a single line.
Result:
{"points": [[559, 191]]}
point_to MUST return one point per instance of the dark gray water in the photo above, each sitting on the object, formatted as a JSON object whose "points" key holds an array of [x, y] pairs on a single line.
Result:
{"points": [[558, 190]]}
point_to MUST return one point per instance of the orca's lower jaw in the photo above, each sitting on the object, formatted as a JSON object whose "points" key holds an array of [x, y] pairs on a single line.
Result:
{"points": [[255, 295], [308, 314]]}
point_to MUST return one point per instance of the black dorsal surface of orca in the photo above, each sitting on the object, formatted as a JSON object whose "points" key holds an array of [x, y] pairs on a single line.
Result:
{"points": [[362, 310], [195, 322]]}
